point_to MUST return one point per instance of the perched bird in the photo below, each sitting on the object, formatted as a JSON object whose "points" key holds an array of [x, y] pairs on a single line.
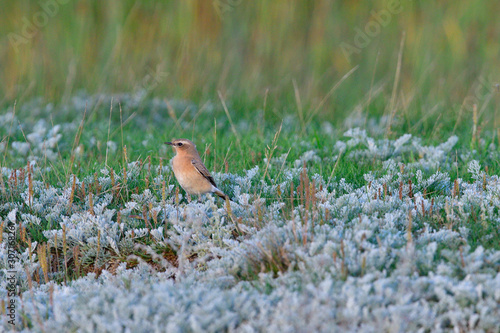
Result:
{"points": [[190, 171]]}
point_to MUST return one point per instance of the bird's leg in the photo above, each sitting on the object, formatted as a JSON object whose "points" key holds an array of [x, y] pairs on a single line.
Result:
{"points": [[188, 197], [199, 198]]}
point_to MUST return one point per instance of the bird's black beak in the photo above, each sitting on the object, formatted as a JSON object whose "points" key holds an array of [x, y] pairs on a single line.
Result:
{"points": [[169, 143]]}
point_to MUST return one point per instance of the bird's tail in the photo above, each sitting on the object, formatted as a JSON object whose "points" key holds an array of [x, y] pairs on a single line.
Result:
{"points": [[221, 194]]}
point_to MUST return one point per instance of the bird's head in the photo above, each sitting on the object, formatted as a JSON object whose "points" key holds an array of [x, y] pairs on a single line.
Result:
{"points": [[182, 146]]}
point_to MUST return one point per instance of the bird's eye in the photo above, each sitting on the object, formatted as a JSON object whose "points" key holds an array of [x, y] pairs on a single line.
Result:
{"points": [[180, 144]]}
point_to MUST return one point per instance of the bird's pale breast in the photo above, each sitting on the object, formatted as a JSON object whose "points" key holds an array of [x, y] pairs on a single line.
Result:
{"points": [[188, 177]]}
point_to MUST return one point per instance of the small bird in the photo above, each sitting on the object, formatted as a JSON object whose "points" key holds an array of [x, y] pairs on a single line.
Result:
{"points": [[190, 171]]}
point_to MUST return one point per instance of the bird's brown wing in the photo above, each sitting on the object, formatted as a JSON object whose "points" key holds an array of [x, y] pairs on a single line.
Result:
{"points": [[202, 169]]}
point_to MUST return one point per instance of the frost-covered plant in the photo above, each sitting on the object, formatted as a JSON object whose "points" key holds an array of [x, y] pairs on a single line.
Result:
{"points": [[410, 249]]}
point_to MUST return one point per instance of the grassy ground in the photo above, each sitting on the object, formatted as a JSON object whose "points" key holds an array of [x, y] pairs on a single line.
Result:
{"points": [[86, 203], [377, 166]]}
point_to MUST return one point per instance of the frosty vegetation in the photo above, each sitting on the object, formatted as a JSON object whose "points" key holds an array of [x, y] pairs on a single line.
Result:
{"points": [[409, 249]]}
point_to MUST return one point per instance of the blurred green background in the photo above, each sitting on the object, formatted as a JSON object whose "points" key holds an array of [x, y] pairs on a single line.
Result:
{"points": [[286, 54]]}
